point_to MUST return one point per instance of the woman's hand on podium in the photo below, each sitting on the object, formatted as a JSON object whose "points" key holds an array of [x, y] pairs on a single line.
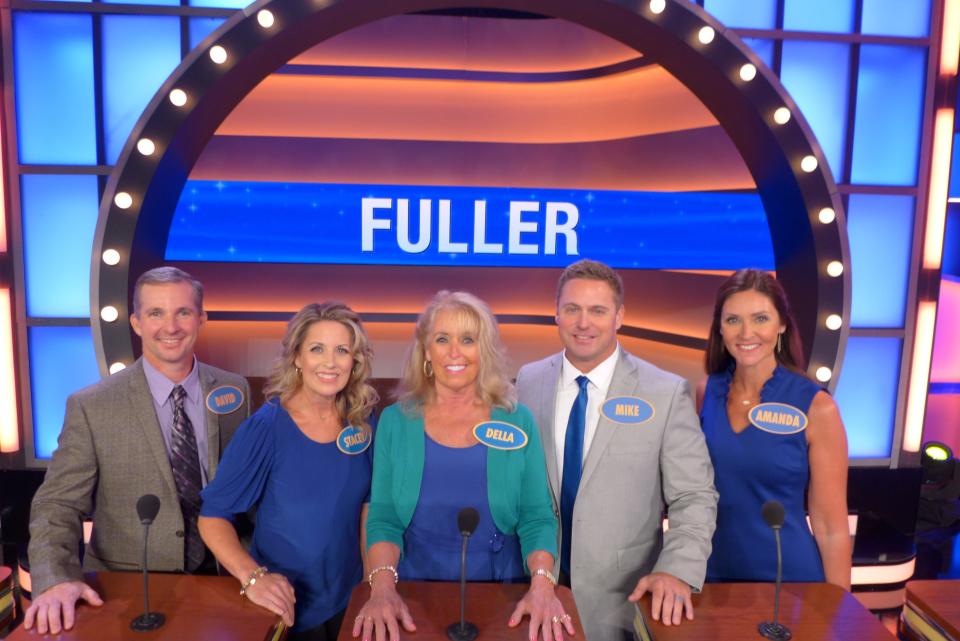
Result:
{"points": [[46, 609], [548, 619], [379, 615], [273, 592]]}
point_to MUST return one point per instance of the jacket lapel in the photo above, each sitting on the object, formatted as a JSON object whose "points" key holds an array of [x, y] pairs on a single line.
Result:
{"points": [[547, 410], [208, 381], [143, 412], [623, 383]]}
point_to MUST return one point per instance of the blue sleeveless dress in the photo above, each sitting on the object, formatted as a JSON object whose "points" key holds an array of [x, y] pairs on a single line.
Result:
{"points": [[455, 478], [751, 468]]}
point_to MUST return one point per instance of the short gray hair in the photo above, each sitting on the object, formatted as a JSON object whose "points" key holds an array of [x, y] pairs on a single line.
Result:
{"points": [[163, 276]]}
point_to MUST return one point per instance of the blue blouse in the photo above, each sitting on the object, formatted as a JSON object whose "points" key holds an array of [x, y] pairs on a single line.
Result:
{"points": [[308, 497]]}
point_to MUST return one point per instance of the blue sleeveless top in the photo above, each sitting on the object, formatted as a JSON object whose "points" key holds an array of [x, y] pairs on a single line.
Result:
{"points": [[455, 478], [751, 468]]}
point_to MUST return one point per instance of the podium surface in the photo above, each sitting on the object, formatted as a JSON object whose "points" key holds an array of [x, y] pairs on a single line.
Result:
{"points": [[938, 602], [196, 607], [435, 605]]}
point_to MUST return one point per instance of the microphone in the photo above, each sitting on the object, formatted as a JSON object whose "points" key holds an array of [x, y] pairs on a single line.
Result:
{"points": [[774, 514], [147, 507], [467, 520]]}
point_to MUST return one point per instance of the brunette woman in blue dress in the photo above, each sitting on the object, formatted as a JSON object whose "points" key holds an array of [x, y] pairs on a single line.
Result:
{"points": [[793, 446], [305, 461]]}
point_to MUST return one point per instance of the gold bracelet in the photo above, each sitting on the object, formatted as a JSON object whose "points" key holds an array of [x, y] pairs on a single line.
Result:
{"points": [[547, 574], [256, 574], [383, 568]]}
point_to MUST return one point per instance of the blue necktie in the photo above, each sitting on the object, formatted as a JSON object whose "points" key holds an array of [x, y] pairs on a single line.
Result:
{"points": [[572, 469]]}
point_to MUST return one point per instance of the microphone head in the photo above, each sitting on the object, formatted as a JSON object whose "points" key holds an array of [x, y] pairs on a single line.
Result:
{"points": [[773, 513], [147, 507], [467, 520]]}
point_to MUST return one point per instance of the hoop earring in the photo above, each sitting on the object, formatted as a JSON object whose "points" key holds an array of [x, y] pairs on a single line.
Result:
{"points": [[779, 342], [428, 369]]}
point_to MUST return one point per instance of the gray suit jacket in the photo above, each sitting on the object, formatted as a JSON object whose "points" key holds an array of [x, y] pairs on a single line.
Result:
{"points": [[630, 472], [110, 453]]}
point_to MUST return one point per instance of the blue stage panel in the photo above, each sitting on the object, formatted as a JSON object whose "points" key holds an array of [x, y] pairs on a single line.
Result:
{"points": [[834, 16], [139, 53], [221, 4], [886, 134], [59, 219], [468, 226], [763, 49], [880, 229], [749, 14], [867, 394], [53, 70], [955, 167], [896, 18], [54, 351], [816, 75], [200, 28]]}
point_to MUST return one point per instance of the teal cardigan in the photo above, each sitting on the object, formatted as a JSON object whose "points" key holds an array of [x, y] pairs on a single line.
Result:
{"points": [[516, 482]]}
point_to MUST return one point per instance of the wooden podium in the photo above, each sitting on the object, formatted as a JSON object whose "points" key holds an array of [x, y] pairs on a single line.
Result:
{"points": [[932, 610], [197, 607], [435, 605]]}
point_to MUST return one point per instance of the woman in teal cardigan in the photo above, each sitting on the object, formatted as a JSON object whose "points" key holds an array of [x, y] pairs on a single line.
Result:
{"points": [[457, 439]]}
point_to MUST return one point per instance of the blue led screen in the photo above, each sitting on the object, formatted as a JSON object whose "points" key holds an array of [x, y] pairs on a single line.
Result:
{"points": [[59, 220], [763, 48], [382, 225], [54, 350], [200, 28], [867, 394], [834, 16], [751, 14], [896, 18], [53, 69], [880, 229]]}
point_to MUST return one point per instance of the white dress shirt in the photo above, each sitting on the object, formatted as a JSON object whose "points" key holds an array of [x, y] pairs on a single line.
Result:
{"points": [[567, 390]]}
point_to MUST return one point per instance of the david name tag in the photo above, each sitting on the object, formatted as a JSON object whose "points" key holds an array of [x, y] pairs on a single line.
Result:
{"points": [[627, 409], [353, 440], [499, 435], [778, 418], [224, 399]]}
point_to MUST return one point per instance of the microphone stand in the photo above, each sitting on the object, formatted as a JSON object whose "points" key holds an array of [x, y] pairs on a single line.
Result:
{"points": [[464, 630], [148, 620], [775, 631]]}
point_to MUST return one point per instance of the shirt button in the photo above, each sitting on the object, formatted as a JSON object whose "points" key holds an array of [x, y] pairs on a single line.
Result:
{"points": [[179, 533]]}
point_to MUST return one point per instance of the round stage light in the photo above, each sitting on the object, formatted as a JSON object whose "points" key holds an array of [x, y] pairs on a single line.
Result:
{"points": [[834, 268], [116, 367], [937, 451], [824, 374], [827, 215], [178, 97], [748, 72], [706, 35], [657, 6], [146, 147], [111, 256], [109, 313], [834, 322], [218, 54], [123, 200], [781, 116], [808, 164], [265, 18]]}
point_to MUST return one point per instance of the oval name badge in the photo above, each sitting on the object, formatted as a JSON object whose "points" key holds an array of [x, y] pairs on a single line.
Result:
{"points": [[778, 418], [224, 399], [499, 435], [627, 409], [353, 440]]}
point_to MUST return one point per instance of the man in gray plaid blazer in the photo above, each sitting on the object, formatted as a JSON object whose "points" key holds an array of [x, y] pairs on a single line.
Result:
{"points": [[115, 446]]}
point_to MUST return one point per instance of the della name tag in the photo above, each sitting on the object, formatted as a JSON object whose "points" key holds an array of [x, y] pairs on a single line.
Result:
{"points": [[353, 440], [499, 435], [627, 409], [224, 399], [778, 418]]}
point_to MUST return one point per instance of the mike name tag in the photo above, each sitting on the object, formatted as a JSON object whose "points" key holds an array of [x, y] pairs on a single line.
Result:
{"points": [[353, 440], [630, 410], [224, 399], [778, 418], [500, 435]]}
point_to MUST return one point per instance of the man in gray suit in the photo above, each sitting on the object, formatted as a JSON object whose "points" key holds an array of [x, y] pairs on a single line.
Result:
{"points": [[156, 427], [622, 440]]}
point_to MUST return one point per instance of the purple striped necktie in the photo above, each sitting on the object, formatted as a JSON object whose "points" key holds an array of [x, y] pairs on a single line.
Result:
{"points": [[185, 465]]}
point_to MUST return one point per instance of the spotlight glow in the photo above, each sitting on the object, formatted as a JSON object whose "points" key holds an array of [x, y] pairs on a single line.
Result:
{"points": [[657, 6], [827, 215], [748, 72], [146, 147], [834, 268], [109, 313], [178, 97], [808, 164], [218, 54], [834, 322], [937, 452], [123, 200], [706, 35], [116, 367], [824, 374], [265, 18], [781, 116], [111, 256]]}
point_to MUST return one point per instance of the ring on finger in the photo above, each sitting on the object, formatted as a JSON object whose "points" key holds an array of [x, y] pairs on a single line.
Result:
{"points": [[557, 619], [564, 617]]}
